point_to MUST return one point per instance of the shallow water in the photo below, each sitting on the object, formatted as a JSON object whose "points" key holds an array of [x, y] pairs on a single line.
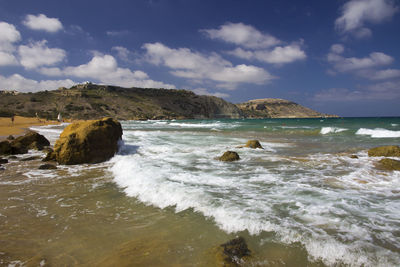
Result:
{"points": [[165, 200]]}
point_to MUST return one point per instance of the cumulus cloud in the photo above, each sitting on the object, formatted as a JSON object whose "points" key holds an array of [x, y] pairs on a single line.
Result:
{"points": [[278, 55], [257, 45], [243, 35], [380, 74], [9, 35], [22, 84], [343, 64], [37, 54], [204, 91], [43, 23], [194, 65], [356, 13], [104, 68]]}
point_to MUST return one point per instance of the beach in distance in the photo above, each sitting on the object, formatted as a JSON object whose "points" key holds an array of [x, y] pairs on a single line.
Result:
{"points": [[310, 197]]}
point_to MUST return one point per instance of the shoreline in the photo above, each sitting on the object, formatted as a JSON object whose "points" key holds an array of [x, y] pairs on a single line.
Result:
{"points": [[20, 125]]}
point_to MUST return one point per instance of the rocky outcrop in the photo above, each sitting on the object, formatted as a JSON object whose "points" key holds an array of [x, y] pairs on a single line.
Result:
{"points": [[229, 156], [277, 108], [88, 142], [384, 151], [233, 252], [253, 144], [21, 145], [389, 164]]}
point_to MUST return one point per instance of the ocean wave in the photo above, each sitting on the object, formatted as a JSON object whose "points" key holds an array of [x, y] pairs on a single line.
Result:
{"points": [[329, 130], [378, 133]]}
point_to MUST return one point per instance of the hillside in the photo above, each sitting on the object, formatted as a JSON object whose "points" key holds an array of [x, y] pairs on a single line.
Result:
{"points": [[277, 108], [90, 101]]}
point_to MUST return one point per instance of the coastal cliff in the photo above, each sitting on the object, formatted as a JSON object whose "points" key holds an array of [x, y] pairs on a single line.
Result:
{"points": [[91, 101], [277, 108]]}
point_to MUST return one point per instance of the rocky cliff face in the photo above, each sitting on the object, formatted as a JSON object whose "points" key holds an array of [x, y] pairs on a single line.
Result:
{"points": [[277, 108], [90, 101]]}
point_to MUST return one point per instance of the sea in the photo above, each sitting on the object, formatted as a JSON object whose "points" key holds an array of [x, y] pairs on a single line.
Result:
{"points": [[310, 197]]}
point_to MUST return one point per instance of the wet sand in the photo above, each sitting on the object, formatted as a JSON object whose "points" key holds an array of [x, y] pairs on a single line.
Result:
{"points": [[20, 125]]}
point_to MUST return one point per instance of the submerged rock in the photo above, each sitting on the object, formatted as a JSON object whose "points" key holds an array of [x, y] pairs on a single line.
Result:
{"points": [[233, 252], [229, 156], [47, 167], [253, 144], [384, 151], [88, 142], [389, 164], [3, 161], [30, 158]]}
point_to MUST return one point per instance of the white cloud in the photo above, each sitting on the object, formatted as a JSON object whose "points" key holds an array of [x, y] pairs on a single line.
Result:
{"points": [[7, 59], [243, 35], [337, 48], [380, 74], [118, 33], [193, 65], [343, 64], [204, 91], [9, 35], [22, 84], [278, 55], [356, 13], [42, 22], [379, 91], [104, 68], [37, 54]]}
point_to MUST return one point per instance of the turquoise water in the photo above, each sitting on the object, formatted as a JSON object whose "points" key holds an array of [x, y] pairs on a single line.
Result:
{"points": [[303, 187], [301, 195]]}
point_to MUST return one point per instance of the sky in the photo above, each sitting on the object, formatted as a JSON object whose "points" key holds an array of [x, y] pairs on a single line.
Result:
{"points": [[335, 56]]}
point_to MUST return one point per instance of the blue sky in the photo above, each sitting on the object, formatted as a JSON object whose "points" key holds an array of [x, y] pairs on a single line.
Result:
{"points": [[335, 56]]}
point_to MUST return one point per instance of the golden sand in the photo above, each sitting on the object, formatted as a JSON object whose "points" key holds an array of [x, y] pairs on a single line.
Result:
{"points": [[20, 125]]}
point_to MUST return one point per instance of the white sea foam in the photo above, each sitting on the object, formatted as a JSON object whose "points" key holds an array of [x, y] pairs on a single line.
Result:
{"points": [[394, 124], [334, 205], [378, 133], [330, 130]]}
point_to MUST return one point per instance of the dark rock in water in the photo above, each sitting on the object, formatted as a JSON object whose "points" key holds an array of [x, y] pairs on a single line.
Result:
{"points": [[5, 148], [253, 144], [47, 167], [235, 250], [389, 164], [10, 137], [18, 148], [2, 168], [31, 140], [229, 156], [50, 154], [353, 156], [12, 157], [30, 158], [3, 161], [88, 142], [384, 151]]}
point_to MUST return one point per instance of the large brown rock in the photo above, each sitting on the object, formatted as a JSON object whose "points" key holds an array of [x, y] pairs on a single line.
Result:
{"points": [[384, 151], [88, 142], [389, 164], [229, 156]]}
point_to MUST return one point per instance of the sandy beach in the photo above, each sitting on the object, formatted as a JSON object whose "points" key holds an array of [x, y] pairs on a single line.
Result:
{"points": [[20, 125]]}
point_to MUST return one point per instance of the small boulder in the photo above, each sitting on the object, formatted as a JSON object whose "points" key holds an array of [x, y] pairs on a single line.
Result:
{"points": [[229, 156], [5, 148], [30, 158], [389, 164], [47, 167], [3, 161], [234, 252], [384, 151], [31, 140], [50, 154], [353, 156], [253, 144], [88, 142], [10, 137]]}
